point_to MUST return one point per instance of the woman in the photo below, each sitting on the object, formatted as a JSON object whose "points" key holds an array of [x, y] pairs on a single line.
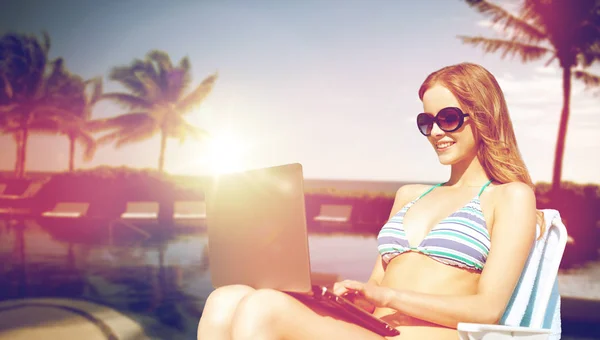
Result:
{"points": [[449, 253]]}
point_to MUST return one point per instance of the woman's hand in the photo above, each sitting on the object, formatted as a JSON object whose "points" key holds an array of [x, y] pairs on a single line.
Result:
{"points": [[374, 294]]}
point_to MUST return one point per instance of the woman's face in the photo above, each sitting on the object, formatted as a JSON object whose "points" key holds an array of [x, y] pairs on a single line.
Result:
{"points": [[451, 147]]}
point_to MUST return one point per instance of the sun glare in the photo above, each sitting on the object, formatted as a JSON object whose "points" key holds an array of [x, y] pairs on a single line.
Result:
{"points": [[225, 154]]}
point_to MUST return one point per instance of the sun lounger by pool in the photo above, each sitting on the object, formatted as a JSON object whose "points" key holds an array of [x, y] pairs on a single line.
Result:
{"points": [[31, 190], [334, 213], [189, 210], [67, 210], [145, 210], [140, 211]]}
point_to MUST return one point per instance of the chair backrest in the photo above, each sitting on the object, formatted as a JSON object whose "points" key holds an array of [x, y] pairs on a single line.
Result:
{"points": [[34, 187], [190, 207], [529, 304], [336, 210], [142, 207], [546, 281], [71, 207]]}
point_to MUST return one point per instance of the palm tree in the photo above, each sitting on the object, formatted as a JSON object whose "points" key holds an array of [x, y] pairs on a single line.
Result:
{"points": [[560, 29], [157, 102], [77, 105], [78, 128], [25, 90]]}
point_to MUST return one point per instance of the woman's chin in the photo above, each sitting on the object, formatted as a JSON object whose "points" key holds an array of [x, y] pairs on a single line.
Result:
{"points": [[446, 159]]}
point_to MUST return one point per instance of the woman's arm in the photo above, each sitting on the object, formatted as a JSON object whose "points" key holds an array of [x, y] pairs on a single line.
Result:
{"points": [[512, 237]]}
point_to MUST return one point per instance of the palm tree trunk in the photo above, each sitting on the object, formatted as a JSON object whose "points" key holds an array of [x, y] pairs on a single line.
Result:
{"points": [[71, 153], [19, 144], [22, 153], [562, 129], [163, 146]]}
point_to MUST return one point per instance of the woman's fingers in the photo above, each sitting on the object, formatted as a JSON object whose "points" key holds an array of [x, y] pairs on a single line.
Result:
{"points": [[339, 289], [353, 285]]}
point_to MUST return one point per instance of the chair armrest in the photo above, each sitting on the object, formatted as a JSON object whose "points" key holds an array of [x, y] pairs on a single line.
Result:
{"points": [[475, 331]]}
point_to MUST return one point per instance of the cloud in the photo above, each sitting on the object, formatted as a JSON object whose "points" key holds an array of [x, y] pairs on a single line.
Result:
{"points": [[535, 104], [547, 70], [497, 28]]}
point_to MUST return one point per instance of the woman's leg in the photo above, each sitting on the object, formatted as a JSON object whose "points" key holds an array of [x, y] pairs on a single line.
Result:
{"points": [[269, 314], [217, 315]]}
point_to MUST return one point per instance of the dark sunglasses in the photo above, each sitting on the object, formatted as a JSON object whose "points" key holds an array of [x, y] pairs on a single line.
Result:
{"points": [[449, 119]]}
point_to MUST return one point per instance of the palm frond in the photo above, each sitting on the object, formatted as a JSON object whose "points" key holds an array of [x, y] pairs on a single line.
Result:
{"points": [[8, 90], [169, 78], [89, 144], [8, 108], [179, 128], [184, 64], [11, 129], [589, 55], [131, 127], [124, 121], [95, 125], [46, 126], [521, 29], [196, 97], [129, 101], [527, 52], [590, 80], [96, 84], [46, 41], [185, 68], [127, 76], [45, 111], [109, 137], [152, 86], [140, 133], [195, 132], [162, 59]]}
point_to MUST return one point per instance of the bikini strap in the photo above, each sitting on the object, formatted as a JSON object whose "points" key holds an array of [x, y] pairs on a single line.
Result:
{"points": [[428, 191], [483, 188]]}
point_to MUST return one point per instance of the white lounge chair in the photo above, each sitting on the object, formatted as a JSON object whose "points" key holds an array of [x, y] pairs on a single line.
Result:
{"points": [[140, 211], [334, 213], [189, 210], [144, 210], [32, 189], [67, 210], [533, 312]]}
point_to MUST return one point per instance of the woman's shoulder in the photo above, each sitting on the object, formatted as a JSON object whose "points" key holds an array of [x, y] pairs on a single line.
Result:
{"points": [[513, 198], [405, 194], [512, 191], [409, 192]]}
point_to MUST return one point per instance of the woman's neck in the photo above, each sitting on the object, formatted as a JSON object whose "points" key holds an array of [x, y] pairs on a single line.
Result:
{"points": [[468, 172]]}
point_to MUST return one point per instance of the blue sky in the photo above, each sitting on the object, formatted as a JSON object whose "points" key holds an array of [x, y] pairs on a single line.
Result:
{"points": [[330, 84]]}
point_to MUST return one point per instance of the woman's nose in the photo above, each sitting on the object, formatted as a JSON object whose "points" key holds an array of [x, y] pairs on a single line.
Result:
{"points": [[436, 131]]}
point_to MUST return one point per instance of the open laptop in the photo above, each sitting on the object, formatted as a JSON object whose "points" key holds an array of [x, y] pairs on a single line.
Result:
{"points": [[257, 236]]}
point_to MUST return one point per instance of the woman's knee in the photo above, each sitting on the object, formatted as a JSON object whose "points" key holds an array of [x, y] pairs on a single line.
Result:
{"points": [[259, 311], [222, 303]]}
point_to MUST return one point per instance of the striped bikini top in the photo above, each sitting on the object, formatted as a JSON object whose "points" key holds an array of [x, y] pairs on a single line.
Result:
{"points": [[461, 239]]}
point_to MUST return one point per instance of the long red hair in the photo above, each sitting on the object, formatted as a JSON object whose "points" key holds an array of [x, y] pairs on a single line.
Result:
{"points": [[479, 93]]}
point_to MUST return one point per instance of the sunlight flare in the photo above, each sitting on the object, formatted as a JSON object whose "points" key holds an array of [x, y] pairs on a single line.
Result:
{"points": [[225, 153]]}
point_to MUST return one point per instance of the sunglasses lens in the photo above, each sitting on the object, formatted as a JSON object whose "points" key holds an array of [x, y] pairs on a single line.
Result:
{"points": [[425, 123], [449, 119]]}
